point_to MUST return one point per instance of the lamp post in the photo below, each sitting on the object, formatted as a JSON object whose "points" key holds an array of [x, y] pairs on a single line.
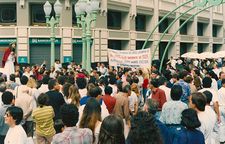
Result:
{"points": [[86, 13], [52, 22]]}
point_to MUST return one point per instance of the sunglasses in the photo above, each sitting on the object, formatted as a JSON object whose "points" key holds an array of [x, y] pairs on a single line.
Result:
{"points": [[7, 115]]}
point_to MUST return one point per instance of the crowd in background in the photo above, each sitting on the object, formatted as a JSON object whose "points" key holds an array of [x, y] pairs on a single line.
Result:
{"points": [[185, 103]]}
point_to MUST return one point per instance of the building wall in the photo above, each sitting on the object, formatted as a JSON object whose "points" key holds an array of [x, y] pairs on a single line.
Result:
{"points": [[127, 34]]}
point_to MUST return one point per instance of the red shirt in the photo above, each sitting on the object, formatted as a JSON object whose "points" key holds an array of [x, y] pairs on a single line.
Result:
{"points": [[109, 102], [145, 83], [160, 96]]}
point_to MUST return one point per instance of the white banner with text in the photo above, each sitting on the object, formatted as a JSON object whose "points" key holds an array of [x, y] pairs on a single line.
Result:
{"points": [[130, 58]]}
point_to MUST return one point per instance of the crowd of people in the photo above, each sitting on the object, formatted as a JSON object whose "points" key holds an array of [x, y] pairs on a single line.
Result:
{"points": [[183, 104]]}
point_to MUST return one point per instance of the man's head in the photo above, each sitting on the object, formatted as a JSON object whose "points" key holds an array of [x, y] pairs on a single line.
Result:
{"points": [[13, 116], [197, 101], [154, 83], [81, 82], [2, 87], [223, 82], [70, 115], [176, 92], [24, 79], [53, 84], [154, 74], [12, 77], [175, 78], [206, 82], [208, 96], [151, 106], [108, 90], [162, 80], [27, 69], [182, 74], [222, 75], [42, 99], [8, 98], [127, 89], [95, 92]]}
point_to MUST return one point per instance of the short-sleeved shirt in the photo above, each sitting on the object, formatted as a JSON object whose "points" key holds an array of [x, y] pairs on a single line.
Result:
{"points": [[171, 112], [122, 106], [43, 116], [73, 135]]}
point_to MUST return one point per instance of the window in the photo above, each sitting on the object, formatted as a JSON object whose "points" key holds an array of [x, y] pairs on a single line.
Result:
{"points": [[114, 20], [38, 14], [140, 22], [115, 44], [163, 26], [200, 48], [200, 29], [139, 44], [7, 14], [183, 30], [74, 19]]}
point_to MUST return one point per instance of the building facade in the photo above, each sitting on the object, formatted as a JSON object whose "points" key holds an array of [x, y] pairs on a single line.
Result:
{"points": [[121, 25]]}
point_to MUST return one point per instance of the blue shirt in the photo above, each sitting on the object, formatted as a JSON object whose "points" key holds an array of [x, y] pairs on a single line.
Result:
{"points": [[186, 90], [185, 136], [164, 131], [85, 99], [219, 83]]}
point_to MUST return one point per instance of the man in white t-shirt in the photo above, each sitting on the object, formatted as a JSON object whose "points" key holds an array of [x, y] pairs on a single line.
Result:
{"points": [[210, 113], [206, 83], [198, 103]]}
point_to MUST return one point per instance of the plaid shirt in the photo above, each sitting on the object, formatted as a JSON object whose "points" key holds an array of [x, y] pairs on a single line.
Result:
{"points": [[73, 135]]}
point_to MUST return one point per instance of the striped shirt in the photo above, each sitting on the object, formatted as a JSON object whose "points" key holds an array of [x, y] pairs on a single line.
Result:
{"points": [[43, 116]]}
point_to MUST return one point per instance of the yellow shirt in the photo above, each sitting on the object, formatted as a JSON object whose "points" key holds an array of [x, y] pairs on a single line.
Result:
{"points": [[43, 116]]}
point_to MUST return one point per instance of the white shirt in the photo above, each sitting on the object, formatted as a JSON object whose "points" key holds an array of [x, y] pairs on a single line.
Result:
{"points": [[132, 100], [214, 93], [214, 84], [28, 74], [58, 67], [103, 70], [19, 90], [173, 63], [217, 71], [82, 92], [114, 89], [167, 92], [141, 80], [26, 102], [35, 94], [16, 135], [208, 121], [18, 80], [221, 96], [43, 88], [103, 89]]}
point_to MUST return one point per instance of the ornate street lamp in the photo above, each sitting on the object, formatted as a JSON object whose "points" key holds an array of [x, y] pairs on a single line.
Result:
{"points": [[86, 13], [52, 22]]}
